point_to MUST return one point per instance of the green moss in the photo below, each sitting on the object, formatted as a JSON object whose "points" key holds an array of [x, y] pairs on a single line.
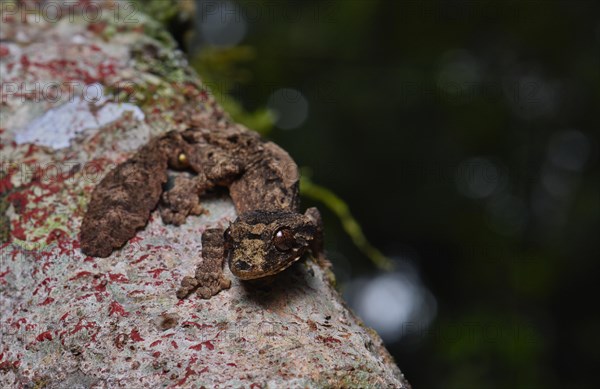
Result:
{"points": [[4, 227], [158, 32], [163, 11], [159, 74], [359, 376], [4, 220]]}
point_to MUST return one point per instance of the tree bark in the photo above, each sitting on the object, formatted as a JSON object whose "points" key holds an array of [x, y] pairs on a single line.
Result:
{"points": [[67, 319]]}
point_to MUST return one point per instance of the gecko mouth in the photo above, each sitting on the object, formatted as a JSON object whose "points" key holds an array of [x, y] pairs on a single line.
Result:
{"points": [[244, 271]]}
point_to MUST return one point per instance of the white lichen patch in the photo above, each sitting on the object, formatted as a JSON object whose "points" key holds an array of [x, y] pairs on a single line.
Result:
{"points": [[57, 127]]}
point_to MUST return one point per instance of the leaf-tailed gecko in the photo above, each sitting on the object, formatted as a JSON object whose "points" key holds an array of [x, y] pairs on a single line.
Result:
{"points": [[266, 238]]}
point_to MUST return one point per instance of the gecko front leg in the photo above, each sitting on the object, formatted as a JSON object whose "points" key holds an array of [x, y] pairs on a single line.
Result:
{"points": [[209, 278], [181, 200]]}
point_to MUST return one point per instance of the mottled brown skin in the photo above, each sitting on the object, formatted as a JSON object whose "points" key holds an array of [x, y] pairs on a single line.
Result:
{"points": [[122, 202], [269, 234], [263, 243]]}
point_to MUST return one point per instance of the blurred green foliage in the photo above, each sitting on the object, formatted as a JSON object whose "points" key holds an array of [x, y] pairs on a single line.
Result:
{"points": [[406, 99], [222, 69], [340, 208]]}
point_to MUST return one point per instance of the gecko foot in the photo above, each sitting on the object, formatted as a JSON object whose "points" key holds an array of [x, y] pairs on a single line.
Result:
{"points": [[206, 285], [211, 283], [188, 284], [180, 201], [209, 278]]}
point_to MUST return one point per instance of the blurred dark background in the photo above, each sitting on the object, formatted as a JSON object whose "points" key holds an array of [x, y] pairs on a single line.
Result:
{"points": [[464, 138]]}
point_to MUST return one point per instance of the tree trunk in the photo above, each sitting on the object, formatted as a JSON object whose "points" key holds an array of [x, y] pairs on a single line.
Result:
{"points": [[67, 319]]}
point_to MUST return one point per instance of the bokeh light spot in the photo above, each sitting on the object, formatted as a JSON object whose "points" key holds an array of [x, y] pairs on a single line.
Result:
{"points": [[478, 177], [392, 303], [290, 108], [222, 23], [569, 150]]}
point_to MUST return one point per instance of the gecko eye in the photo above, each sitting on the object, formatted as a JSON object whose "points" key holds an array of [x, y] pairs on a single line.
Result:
{"points": [[182, 159], [283, 239], [179, 161]]}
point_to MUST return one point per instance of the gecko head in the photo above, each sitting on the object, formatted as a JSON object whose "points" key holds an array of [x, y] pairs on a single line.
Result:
{"points": [[263, 243]]}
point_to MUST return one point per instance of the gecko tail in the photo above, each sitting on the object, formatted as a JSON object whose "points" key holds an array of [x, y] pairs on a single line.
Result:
{"points": [[122, 202]]}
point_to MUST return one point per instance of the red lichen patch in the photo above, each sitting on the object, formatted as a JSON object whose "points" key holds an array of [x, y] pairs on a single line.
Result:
{"points": [[140, 259], [4, 273], [34, 218], [117, 277], [80, 275], [100, 286], [155, 343], [117, 309], [136, 292], [136, 239], [107, 69], [18, 200], [47, 301], [18, 322], [156, 272], [17, 230], [189, 372], [97, 28], [328, 339], [204, 96], [44, 336], [135, 336], [43, 284], [5, 183], [67, 70], [4, 51], [9, 365], [208, 344], [58, 235], [84, 324], [83, 297], [24, 60]]}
